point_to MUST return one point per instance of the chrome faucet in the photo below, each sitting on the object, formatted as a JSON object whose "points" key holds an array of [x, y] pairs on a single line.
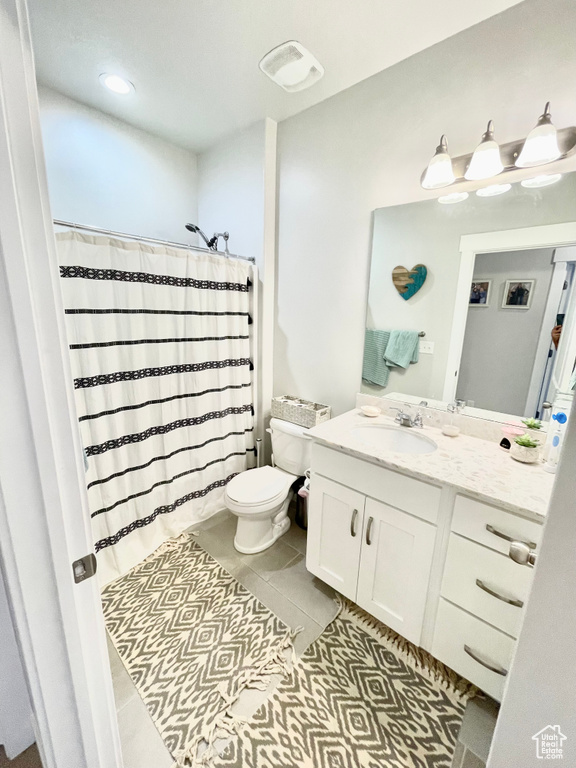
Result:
{"points": [[406, 420]]}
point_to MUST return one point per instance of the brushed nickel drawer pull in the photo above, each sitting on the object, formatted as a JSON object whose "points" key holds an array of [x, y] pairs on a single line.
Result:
{"points": [[368, 530], [353, 530], [497, 595], [496, 532], [491, 667]]}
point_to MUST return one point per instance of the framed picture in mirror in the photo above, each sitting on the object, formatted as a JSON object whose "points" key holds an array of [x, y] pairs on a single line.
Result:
{"points": [[518, 294], [480, 293]]}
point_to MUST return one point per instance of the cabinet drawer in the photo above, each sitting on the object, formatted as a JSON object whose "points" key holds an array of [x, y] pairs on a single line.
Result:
{"points": [[474, 575], [471, 518], [455, 630], [405, 493]]}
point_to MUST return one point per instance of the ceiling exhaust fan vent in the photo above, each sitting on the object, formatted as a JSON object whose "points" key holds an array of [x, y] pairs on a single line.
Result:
{"points": [[291, 66]]}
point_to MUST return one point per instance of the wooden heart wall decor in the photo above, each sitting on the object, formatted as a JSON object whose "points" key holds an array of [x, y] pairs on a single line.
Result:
{"points": [[408, 282]]}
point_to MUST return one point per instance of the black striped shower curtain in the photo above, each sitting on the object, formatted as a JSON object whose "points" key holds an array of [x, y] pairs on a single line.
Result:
{"points": [[160, 352]]}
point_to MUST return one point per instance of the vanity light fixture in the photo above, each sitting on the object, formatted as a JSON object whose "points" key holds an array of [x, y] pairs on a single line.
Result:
{"points": [[454, 197], [541, 181], [486, 161], [117, 84], [439, 172], [541, 145], [493, 190]]}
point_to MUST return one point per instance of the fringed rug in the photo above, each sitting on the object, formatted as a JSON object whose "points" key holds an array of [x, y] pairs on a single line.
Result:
{"points": [[192, 639], [360, 697]]}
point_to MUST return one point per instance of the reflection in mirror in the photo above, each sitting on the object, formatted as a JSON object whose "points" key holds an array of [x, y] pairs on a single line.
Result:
{"points": [[491, 337], [509, 354]]}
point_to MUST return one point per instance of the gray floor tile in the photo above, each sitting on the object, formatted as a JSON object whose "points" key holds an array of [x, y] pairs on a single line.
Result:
{"points": [[218, 541], [142, 745], [295, 537], [27, 759], [311, 595], [124, 688], [282, 607], [273, 559]]}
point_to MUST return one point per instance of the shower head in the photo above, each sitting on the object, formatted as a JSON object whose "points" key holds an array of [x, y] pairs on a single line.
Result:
{"points": [[210, 243]]}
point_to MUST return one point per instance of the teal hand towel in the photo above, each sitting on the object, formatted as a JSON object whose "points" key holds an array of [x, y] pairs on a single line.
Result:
{"points": [[374, 368], [402, 349]]}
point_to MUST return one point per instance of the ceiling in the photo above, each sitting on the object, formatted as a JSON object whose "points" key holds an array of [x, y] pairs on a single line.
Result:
{"points": [[194, 63]]}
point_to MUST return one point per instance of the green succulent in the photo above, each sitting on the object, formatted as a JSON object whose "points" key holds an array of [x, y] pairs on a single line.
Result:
{"points": [[532, 423], [526, 441]]}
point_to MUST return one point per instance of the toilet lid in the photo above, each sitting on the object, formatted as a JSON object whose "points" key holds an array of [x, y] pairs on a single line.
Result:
{"points": [[255, 486]]}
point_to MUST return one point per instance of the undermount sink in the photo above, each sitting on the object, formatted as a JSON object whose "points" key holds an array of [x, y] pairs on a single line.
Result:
{"points": [[397, 439]]}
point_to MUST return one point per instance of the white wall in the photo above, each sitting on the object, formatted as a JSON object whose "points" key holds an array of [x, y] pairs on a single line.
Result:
{"points": [[366, 148], [105, 173], [500, 344], [237, 193], [16, 731]]}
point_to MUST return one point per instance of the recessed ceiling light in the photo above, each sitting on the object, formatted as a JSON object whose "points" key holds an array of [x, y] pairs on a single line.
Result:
{"points": [[291, 66], [455, 197], [116, 84], [493, 190], [541, 181]]}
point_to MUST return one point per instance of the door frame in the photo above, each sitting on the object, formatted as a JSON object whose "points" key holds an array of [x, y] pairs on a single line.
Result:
{"points": [[545, 236], [44, 517]]}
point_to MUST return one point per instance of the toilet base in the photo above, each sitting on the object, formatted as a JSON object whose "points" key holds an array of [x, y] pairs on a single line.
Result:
{"points": [[277, 531], [253, 535]]}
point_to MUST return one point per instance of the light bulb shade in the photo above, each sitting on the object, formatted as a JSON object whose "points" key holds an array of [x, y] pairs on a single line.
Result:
{"points": [[541, 181], [494, 190], [439, 172], [541, 145], [486, 161], [454, 197]]}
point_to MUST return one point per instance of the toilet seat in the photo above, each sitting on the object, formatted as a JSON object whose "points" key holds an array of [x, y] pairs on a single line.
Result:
{"points": [[258, 489]]}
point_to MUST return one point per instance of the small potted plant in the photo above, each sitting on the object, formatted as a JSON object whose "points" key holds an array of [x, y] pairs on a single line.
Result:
{"points": [[524, 448], [534, 429]]}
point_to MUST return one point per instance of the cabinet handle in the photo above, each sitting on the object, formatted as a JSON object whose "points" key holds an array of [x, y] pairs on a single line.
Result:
{"points": [[369, 530], [510, 600], [496, 532], [353, 530], [491, 667]]}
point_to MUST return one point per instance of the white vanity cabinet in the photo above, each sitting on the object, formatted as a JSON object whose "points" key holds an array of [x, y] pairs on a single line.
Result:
{"points": [[439, 575], [483, 593], [373, 542]]}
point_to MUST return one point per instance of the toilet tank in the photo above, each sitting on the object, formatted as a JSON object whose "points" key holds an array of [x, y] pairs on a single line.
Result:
{"points": [[290, 446]]}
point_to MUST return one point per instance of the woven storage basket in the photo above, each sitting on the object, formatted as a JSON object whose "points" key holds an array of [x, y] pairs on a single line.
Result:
{"points": [[301, 412]]}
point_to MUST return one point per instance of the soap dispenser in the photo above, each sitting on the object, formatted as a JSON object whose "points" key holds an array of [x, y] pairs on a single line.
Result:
{"points": [[557, 430]]}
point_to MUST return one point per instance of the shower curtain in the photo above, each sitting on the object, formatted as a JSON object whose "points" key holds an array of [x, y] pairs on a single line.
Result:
{"points": [[160, 354]]}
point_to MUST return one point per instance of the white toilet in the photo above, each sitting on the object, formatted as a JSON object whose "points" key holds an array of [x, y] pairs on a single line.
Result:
{"points": [[260, 497]]}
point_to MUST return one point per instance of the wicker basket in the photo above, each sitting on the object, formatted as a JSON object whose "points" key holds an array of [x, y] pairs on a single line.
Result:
{"points": [[301, 412]]}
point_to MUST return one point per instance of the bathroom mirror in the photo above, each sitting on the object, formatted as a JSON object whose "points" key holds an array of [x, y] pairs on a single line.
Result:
{"points": [[500, 278]]}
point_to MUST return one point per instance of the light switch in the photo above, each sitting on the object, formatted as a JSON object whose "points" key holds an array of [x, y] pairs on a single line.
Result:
{"points": [[427, 347]]}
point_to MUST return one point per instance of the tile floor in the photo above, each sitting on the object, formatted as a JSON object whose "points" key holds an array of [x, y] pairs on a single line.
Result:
{"points": [[279, 579], [27, 759]]}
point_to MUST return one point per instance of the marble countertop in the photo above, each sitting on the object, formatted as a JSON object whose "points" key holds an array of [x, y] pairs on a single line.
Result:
{"points": [[478, 467]]}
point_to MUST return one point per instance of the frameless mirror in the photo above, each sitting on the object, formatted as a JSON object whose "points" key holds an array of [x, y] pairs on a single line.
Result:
{"points": [[496, 310]]}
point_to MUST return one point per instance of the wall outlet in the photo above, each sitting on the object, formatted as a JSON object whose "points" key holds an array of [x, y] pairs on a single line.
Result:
{"points": [[427, 347]]}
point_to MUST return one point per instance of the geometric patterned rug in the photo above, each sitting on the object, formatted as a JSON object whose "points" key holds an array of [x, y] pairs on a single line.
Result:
{"points": [[360, 697], [192, 638]]}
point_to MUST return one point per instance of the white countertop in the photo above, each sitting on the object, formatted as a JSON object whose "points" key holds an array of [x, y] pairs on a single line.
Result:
{"points": [[478, 467]]}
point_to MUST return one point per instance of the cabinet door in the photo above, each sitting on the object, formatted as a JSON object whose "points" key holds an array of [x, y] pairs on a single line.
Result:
{"points": [[397, 554], [335, 520]]}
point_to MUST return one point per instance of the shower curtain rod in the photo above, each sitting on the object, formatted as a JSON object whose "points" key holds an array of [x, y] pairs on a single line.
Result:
{"points": [[151, 240]]}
